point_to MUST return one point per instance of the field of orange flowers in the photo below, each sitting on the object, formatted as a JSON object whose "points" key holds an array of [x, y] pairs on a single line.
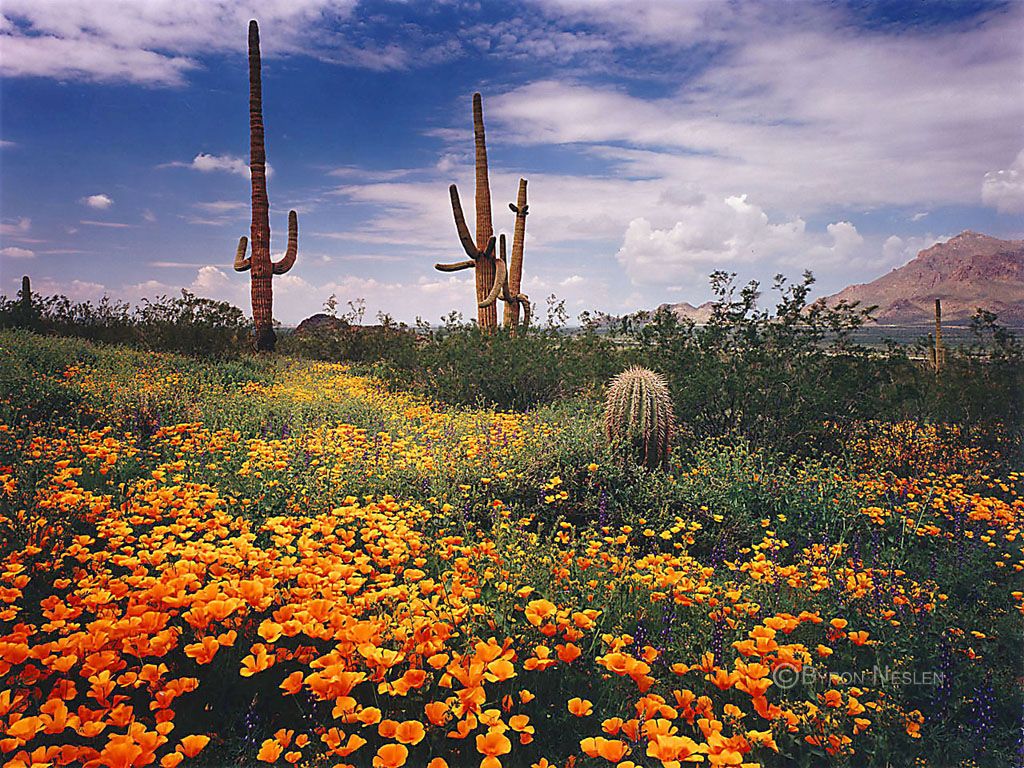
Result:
{"points": [[274, 563]]}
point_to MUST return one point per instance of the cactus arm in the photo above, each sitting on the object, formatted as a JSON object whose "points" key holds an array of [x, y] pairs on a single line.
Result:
{"points": [[489, 250], [242, 263], [500, 281], [505, 295], [524, 301], [288, 260], [468, 244], [515, 265], [458, 265]]}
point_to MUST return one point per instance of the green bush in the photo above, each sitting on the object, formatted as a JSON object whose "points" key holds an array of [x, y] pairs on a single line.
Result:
{"points": [[187, 324]]}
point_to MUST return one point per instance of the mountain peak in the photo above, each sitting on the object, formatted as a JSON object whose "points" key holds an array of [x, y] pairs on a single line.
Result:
{"points": [[970, 271]]}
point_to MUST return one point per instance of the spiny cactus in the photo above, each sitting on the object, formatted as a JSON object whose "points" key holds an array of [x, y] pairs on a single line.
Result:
{"points": [[638, 415], [261, 268], [480, 251], [939, 354], [26, 296], [501, 289], [515, 268]]}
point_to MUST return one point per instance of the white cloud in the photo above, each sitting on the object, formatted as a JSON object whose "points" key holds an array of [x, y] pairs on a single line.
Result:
{"points": [[13, 252], [712, 234], [100, 202], [17, 229], [151, 43], [108, 224], [223, 206], [207, 163], [1004, 190], [803, 118], [897, 251]]}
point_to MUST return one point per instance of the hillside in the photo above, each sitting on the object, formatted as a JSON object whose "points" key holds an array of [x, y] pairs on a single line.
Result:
{"points": [[969, 271]]}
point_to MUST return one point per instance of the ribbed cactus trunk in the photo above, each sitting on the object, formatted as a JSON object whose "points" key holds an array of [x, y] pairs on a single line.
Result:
{"points": [[26, 296], [494, 278], [487, 316], [939, 353], [262, 269], [638, 416], [262, 276], [515, 267]]}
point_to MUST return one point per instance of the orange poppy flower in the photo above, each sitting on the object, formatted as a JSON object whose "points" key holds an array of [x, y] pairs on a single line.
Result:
{"points": [[410, 732], [580, 707], [391, 756], [193, 745], [568, 652], [269, 751], [438, 712], [491, 745]]}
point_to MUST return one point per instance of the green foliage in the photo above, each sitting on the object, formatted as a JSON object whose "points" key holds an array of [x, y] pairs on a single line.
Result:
{"points": [[187, 324], [341, 340], [465, 365]]}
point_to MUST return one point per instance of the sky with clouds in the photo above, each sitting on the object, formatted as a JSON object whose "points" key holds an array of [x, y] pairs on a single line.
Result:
{"points": [[662, 139]]}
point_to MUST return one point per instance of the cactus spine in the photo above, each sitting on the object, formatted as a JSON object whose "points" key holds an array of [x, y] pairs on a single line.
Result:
{"points": [[480, 251], [638, 415], [259, 264]]}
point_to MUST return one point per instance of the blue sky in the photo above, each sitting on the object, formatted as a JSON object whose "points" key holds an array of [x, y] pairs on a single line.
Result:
{"points": [[662, 140]]}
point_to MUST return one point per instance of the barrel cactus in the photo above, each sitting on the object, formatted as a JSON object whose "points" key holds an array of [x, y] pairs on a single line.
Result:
{"points": [[638, 415]]}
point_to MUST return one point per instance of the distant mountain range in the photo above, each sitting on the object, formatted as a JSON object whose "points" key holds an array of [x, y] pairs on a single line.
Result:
{"points": [[969, 271], [966, 272]]}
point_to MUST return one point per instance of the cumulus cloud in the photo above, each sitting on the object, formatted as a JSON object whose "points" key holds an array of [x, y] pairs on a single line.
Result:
{"points": [[897, 251], [711, 234], [13, 252], [1004, 190], [100, 202]]}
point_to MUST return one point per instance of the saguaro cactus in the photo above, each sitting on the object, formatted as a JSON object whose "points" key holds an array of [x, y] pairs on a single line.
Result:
{"points": [[26, 296], [515, 268], [502, 290], [480, 251], [638, 415], [939, 354], [260, 267]]}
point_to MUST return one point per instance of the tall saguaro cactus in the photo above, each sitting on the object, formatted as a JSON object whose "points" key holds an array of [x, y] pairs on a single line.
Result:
{"points": [[480, 251], [939, 354], [26, 296], [259, 264]]}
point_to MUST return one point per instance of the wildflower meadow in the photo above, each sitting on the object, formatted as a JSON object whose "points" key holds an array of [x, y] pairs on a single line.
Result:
{"points": [[277, 561]]}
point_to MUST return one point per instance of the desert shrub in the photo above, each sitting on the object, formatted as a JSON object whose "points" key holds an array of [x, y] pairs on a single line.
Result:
{"points": [[186, 324], [465, 365], [339, 340], [773, 377]]}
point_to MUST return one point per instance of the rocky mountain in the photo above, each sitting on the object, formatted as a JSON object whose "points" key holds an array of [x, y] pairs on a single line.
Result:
{"points": [[686, 311], [969, 271]]}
